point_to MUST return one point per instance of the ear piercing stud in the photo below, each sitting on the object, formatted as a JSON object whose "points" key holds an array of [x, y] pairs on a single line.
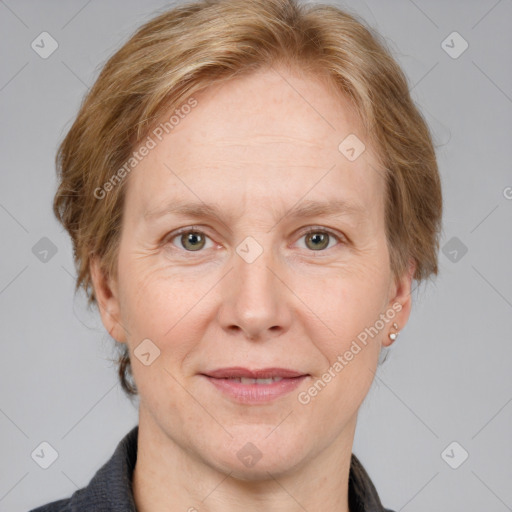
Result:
{"points": [[393, 335]]}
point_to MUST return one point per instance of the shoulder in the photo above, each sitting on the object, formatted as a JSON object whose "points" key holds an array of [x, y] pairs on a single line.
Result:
{"points": [[362, 494], [80, 500], [54, 506], [110, 488]]}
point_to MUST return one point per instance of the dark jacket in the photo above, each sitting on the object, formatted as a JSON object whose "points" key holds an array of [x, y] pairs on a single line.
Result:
{"points": [[110, 489]]}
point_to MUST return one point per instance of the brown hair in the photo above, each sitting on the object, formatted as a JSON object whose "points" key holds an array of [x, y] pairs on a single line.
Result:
{"points": [[197, 44]]}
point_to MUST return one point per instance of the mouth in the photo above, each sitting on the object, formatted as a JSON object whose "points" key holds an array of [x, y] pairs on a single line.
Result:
{"points": [[254, 386]]}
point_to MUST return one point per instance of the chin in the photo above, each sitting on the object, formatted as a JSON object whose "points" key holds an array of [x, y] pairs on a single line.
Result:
{"points": [[254, 460]]}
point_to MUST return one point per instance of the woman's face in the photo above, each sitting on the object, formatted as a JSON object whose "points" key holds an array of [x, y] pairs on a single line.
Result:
{"points": [[251, 289]]}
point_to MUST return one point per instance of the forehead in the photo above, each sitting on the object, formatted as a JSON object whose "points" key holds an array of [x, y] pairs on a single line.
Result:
{"points": [[271, 108], [261, 137]]}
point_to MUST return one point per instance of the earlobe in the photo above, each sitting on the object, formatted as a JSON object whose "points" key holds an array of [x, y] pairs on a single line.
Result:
{"points": [[401, 304], [105, 291]]}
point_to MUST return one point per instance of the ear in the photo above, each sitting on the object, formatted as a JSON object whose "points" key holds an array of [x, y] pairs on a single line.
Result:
{"points": [[107, 298], [400, 302]]}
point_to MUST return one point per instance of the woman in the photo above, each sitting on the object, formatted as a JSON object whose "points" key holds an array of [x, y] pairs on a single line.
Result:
{"points": [[250, 192]]}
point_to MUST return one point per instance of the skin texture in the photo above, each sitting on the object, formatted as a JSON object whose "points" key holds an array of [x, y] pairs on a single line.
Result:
{"points": [[255, 146]]}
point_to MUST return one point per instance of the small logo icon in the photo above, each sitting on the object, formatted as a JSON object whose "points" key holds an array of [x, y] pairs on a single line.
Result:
{"points": [[44, 250], [351, 147], [454, 45], [454, 455], [44, 455], [249, 455], [454, 249], [249, 249], [44, 45], [146, 352]]}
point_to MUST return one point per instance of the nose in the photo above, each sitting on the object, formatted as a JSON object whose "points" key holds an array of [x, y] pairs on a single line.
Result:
{"points": [[255, 302]]}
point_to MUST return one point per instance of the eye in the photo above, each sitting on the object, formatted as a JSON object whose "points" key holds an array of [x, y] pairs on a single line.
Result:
{"points": [[191, 239], [317, 239]]}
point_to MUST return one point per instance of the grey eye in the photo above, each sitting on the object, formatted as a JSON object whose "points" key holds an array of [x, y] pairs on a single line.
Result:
{"points": [[192, 240], [319, 240]]}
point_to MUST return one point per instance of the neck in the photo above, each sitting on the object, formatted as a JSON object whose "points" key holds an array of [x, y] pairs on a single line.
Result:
{"points": [[169, 477]]}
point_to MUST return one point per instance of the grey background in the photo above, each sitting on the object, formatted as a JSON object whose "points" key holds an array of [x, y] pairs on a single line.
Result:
{"points": [[447, 378]]}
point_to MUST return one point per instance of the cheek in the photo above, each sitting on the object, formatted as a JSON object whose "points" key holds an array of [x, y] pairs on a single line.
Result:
{"points": [[150, 300], [346, 302], [350, 354], [336, 303], [349, 309], [167, 308]]}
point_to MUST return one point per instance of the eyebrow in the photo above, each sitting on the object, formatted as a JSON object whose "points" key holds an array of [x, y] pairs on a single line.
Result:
{"points": [[305, 209]]}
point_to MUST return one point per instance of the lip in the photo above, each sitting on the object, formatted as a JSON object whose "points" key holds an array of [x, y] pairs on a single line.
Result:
{"points": [[265, 373], [222, 380]]}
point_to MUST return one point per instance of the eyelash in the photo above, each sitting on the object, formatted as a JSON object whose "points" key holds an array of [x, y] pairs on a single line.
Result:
{"points": [[314, 229]]}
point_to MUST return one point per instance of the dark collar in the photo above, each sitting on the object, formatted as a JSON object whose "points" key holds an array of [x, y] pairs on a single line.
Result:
{"points": [[110, 489]]}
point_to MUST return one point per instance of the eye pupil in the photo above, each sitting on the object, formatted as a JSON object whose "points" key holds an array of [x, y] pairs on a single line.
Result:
{"points": [[192, 238], [323, 238]]}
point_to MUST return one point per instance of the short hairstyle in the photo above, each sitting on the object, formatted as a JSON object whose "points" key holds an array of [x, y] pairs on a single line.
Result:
{"points": [[197, 44]]}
